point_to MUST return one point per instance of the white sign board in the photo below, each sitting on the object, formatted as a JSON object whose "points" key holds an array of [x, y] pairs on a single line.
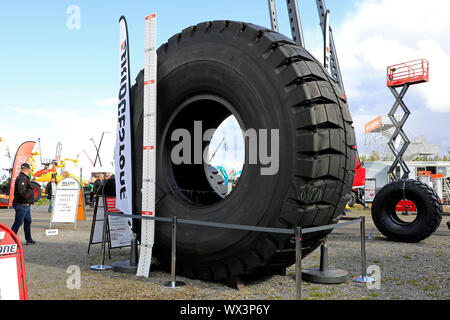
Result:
{"points": [[119, 228], [52, 232], [370, 190], [9, 290], [66, 201], [119, 231]]}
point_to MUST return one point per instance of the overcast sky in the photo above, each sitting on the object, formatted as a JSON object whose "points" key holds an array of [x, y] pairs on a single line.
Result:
{"points": [[60, 84]]}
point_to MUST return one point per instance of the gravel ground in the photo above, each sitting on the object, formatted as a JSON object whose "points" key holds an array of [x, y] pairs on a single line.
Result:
{"points": [[408, 271]]}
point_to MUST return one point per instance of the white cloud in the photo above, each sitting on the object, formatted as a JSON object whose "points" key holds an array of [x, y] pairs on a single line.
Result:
{"points": [[110, 102], [378, 33], [386, 32], [72, 128]]}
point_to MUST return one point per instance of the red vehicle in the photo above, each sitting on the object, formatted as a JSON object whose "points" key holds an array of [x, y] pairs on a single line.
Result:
{"points": [[357, 193]]}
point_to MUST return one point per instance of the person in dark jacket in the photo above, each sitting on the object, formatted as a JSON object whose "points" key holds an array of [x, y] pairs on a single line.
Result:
{"points": [[23, 199], [50, 189]]}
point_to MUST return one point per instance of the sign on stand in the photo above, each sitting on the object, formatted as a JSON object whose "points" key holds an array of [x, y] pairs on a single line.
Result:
{"points": [[13, 284], [118, 230], [67, 202], [370, 189]]}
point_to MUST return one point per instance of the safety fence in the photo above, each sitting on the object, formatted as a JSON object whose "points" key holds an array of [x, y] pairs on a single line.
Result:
{"points": [[297, 232]]}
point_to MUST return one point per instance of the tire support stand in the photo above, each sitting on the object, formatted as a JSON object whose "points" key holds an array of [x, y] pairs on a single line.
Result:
{"points": [[173, 283]]}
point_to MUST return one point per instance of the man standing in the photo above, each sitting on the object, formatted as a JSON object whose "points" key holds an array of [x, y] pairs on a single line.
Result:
{"points": [[51, 190], [23, 199]]}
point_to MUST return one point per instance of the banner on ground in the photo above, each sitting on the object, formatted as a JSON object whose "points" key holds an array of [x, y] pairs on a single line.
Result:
{"points": [[123, 150], [23, 155]]}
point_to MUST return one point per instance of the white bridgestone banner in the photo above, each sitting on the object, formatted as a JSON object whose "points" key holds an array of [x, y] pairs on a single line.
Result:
{"points": [[123, 155]]}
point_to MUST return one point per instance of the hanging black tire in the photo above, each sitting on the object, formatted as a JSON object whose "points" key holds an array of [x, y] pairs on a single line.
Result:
{"points": [[217, 69], [429, 211]]}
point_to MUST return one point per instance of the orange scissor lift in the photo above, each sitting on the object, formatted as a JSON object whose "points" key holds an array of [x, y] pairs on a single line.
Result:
{"points": [[402, 76]]}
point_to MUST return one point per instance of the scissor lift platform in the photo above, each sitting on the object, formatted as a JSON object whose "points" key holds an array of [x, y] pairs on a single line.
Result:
{"points": [[412, 72]]}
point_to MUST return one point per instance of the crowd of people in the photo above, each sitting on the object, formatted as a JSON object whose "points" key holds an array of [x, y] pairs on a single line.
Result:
{"points": [[94, 185]]}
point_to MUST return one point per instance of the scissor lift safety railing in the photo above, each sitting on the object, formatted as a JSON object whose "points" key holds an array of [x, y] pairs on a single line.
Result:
{"points": [[402, 76], [412, 72]]}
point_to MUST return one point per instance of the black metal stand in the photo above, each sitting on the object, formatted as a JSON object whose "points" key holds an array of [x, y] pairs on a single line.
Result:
{"points": [[324, 274]]}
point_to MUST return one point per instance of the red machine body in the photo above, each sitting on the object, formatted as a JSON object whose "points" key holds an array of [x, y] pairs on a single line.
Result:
{"points": [[360, 174]]}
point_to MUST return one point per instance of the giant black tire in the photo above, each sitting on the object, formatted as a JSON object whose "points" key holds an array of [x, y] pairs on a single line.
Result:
{"points": [[216, 69], [429, 211]]}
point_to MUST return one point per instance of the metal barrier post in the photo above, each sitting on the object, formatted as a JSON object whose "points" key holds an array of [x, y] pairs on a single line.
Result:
{"points": [[363, 278], [173, 283], [298, 263], [363, 246], [297, 231], [102, 266]]}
